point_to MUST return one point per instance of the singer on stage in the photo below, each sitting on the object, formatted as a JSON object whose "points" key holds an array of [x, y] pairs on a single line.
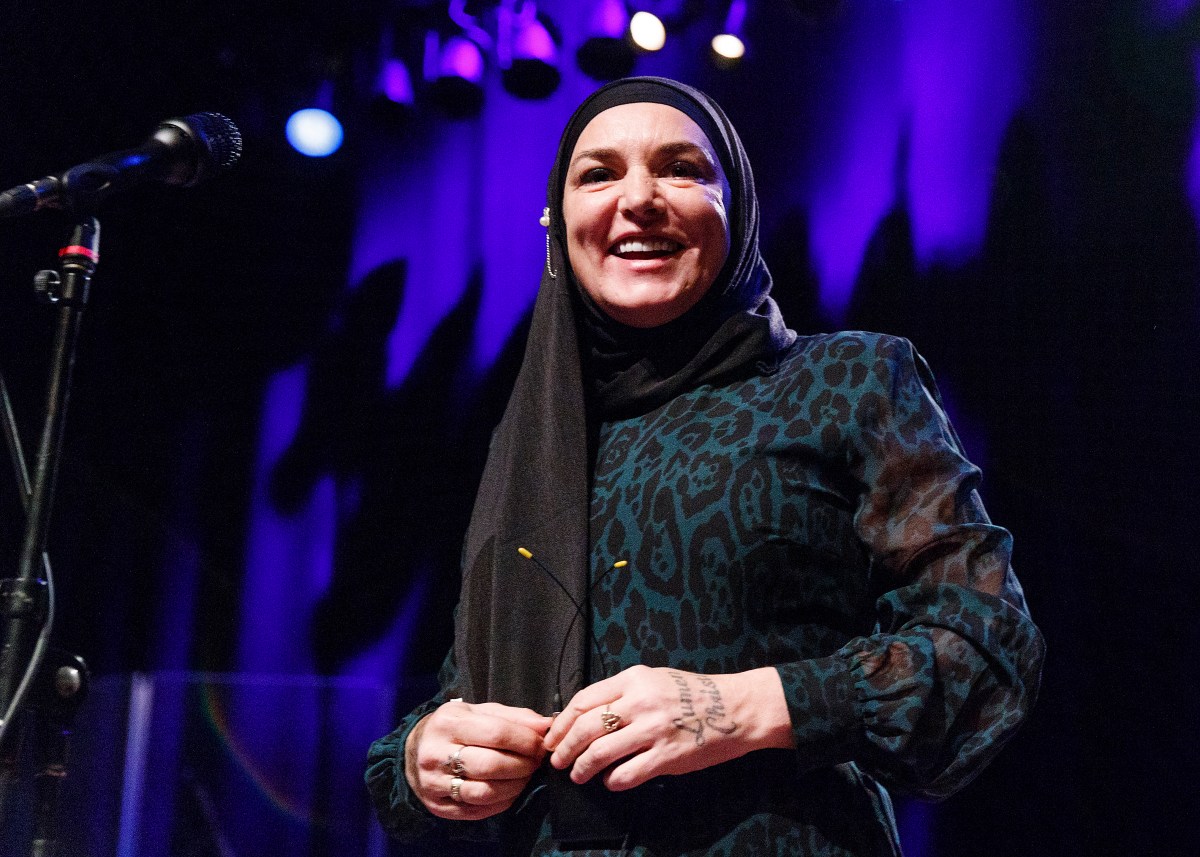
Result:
{"points": [[724, 586]]}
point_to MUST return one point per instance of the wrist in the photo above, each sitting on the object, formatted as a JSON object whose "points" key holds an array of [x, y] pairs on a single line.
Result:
{"points": [[411, 744], [761, 709]]}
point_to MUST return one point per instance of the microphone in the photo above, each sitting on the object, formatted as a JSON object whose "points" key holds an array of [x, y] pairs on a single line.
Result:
{"points": [[182, 152]]}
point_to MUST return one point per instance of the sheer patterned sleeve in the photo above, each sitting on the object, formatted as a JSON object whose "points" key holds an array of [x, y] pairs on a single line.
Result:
{"points": [[954, 665]]}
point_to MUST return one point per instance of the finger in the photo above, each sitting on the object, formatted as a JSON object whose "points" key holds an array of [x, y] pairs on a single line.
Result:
{"points": [[482, 729], [499, 734], [446, 808], [607, 751], [483, 793], [482, 763], [591, 697], [526, 717], [596, 740], [635, 770]]}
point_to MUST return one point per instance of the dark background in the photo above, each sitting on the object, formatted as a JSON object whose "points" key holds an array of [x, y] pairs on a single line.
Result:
{"points": [[1065, 340]]}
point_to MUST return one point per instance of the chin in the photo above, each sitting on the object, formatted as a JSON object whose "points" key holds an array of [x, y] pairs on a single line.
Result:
{"points": [[647, 314]]}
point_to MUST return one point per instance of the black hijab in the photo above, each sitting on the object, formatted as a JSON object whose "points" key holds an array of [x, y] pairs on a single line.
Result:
{"points": [[521, 636]]}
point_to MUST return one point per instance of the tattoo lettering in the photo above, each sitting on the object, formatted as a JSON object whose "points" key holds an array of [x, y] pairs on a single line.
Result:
{"points": [[714, 717]]}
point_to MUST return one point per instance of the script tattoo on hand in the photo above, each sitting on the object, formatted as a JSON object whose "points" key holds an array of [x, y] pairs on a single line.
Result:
{"points": [[712, 716]]}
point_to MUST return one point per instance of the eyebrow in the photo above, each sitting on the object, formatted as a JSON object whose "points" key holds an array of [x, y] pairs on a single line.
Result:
{"points": [[681, 147]]}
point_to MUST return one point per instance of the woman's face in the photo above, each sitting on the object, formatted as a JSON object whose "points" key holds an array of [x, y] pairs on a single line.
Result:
{"points": [[644, 208]]}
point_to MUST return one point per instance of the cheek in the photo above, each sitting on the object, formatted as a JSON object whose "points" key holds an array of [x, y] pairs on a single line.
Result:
{"points": [[583, 221], [718, 232]]}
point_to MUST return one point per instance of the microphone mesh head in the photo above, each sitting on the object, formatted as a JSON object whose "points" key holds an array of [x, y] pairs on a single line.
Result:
{"points": [[219, 135]]}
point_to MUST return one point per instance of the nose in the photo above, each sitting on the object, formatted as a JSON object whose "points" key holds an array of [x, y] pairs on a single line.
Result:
{"points": [[640, 195]]}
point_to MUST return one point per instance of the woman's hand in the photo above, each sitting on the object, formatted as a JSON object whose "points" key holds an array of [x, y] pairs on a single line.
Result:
{"points": [[467, 762], [644, 722]]}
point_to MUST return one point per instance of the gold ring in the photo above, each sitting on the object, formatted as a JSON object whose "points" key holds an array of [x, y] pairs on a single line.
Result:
{"points": [[456, 789], [610, 719]]}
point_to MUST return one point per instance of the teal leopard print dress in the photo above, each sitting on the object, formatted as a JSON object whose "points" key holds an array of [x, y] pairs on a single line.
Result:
{"points": [[820, 518]]}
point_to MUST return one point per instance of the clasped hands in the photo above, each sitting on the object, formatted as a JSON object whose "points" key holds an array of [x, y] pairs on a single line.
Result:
{"points": [[470, 761]]}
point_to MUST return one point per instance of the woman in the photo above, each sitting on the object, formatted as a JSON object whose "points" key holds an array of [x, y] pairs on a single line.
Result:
{"points": [[722, 585]]}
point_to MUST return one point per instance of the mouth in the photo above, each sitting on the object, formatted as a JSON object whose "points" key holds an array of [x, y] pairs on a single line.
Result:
{"points": [[645, 248]]}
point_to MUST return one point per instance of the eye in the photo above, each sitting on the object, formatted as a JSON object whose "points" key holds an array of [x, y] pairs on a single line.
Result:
{"points": [[684, 170], [596, 175]]}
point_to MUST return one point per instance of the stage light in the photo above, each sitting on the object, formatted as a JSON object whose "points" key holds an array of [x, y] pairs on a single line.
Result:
{"points": [[454, 71], [607, 53], [395, 84], [314, 132], [393, 100], [647, 31], [728, 46], [527, 52]]}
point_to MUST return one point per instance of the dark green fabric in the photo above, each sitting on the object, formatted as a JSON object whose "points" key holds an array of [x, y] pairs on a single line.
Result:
{"points": [[823, 520]]}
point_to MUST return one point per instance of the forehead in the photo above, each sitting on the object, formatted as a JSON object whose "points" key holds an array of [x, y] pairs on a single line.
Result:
{"points": [[641, 124]]}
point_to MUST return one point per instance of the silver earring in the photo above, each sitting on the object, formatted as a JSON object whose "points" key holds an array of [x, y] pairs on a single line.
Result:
{"points": [[544, 220], [549, 267]]}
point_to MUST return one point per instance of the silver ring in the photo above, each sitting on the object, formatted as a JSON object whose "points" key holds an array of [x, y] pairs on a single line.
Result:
{"points": [[454, 764], [610, 719], [456, 789]]}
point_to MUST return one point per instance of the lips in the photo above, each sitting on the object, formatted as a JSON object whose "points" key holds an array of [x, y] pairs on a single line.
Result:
{"points": [[645, 248]]}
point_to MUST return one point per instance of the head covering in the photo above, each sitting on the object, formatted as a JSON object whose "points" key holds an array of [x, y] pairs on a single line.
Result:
{"points": [[520, 636]]}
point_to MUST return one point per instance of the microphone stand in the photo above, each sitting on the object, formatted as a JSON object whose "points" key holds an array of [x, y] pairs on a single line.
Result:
{"points": [[55, 690]]}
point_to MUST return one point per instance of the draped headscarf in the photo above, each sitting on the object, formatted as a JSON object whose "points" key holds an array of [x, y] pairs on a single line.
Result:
{"points": [[520, 634]]}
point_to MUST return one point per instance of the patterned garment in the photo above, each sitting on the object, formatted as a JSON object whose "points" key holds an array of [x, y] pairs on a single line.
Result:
{"points": [[820, 518]]}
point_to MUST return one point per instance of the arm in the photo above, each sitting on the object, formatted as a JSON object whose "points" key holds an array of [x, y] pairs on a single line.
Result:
{"points": [[925, 702]]}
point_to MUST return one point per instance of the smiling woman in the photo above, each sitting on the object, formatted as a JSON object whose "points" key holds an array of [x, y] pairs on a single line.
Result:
{"points": [[770, 589], [644, 205]]}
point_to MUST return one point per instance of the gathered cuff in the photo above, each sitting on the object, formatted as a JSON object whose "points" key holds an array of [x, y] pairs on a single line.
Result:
{"points": [[399, 809], [826, 723]]}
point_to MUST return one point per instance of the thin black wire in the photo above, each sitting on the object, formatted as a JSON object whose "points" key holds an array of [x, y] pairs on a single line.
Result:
{"points": [[567, 638], [562, 652]]}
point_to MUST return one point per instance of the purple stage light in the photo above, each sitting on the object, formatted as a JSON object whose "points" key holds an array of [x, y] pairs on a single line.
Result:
{"points": [[395, 82], [532, 40], [461, 58], [609, 18]]}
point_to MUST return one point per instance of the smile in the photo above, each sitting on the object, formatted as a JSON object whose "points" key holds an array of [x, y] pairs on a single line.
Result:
{"points": [[644, 248]]}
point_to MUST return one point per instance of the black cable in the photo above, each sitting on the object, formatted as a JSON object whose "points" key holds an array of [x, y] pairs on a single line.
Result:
{"points": [[562, 652]]}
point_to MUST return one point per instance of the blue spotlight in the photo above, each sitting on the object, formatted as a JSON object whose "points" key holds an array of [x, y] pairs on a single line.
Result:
{"points": [[314, 132]]}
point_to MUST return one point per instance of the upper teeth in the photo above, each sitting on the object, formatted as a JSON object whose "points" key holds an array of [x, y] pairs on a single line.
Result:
{"points": [[647, 246]]}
